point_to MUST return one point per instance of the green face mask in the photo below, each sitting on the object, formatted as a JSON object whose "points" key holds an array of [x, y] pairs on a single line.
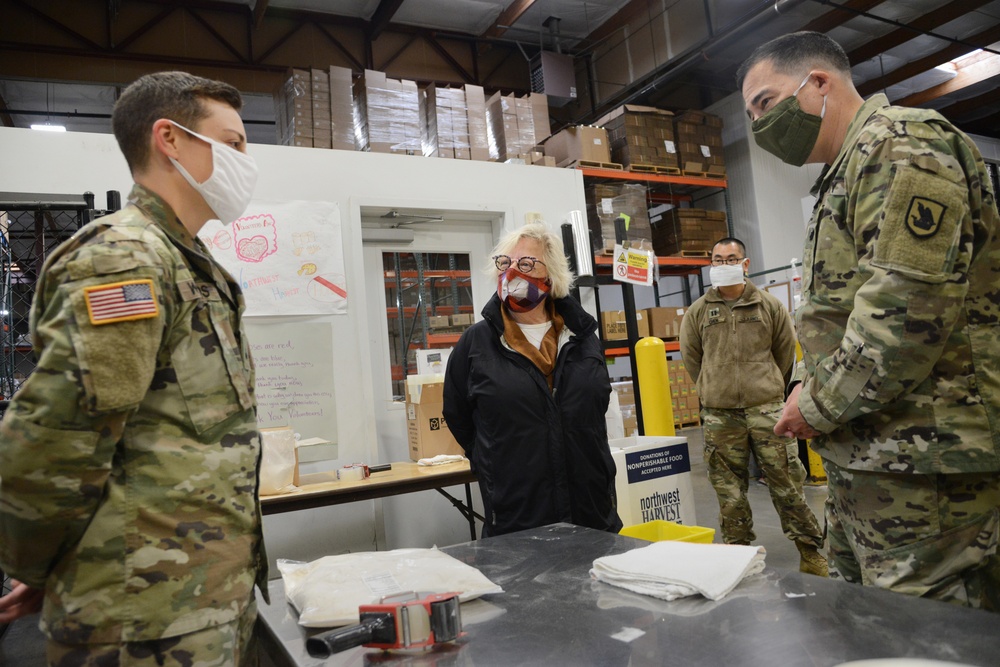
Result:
{"points": [[788, 132]]}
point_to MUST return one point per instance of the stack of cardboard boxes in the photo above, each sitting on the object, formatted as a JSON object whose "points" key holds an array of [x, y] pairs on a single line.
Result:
{"points": [[699, 143], [387, 114], [313, 108], [578, 143], [691, 231], [455, 123], [662, 322], [518, 125], [683, 395], [641, 137], [626, 402], [606, 202]]}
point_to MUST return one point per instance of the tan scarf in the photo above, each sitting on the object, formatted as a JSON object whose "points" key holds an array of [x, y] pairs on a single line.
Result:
{"points": [[545, 356]]}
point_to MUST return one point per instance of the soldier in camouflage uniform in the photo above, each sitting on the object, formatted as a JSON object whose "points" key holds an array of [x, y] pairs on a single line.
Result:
{"points": [[739, 347], [129, 458], [899, 325]]}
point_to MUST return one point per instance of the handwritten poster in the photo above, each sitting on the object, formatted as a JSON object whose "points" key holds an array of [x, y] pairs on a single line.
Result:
{"points": [[294, 378], [286, 255]]}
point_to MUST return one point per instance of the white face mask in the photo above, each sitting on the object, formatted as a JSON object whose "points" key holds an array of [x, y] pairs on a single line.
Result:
{"points": [[726, 275], [229, 188]]}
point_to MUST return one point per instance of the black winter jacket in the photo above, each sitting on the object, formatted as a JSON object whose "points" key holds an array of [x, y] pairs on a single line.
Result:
{"points": [[541, 457]]}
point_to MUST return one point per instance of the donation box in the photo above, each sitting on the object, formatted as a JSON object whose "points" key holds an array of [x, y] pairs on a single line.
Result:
{"points": [[653, 480]]}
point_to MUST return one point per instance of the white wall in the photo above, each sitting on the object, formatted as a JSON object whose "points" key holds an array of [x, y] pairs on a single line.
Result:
{"points": [[71, 163]]}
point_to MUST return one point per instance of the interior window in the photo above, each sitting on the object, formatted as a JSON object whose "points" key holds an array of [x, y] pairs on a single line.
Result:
{"points": [[429, 305]]}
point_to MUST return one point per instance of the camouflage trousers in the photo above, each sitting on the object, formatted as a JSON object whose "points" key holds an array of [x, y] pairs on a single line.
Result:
{"points": [[730, 436], [932, 536], [229, 645]]}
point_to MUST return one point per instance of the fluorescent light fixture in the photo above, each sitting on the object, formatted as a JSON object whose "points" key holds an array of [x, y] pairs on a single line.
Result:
{"points": [[48, 127]]}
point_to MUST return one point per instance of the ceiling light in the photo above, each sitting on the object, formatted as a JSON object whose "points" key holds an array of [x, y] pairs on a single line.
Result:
{"points": [[48, 127]]}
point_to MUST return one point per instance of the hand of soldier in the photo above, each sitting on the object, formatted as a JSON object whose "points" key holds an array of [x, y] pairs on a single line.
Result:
{"points": [[792, 424], [21, 601]]}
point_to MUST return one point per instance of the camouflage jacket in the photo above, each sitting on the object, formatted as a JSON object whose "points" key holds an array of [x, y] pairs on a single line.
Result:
{"points": [[129, 458], [901, 299], [740, 357]]}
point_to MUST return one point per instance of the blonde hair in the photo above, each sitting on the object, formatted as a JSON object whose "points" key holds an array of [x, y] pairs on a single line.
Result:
{"points": [[554, 255]]}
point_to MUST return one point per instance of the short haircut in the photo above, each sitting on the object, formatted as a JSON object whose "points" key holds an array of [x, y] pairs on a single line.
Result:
{"points": [[555, 256], [177, 96], [729, 240], [797, 52]]}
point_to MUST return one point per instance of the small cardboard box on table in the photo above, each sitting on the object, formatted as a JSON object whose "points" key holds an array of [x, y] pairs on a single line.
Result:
{"points": [[653, 480], [426, 431]]}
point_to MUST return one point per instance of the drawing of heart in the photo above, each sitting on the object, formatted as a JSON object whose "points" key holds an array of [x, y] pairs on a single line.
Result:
{"points": [[253, 249]]}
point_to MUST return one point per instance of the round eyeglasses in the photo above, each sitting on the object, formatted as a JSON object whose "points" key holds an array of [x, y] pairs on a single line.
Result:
{"points": [[731, 261], [524, 264]]}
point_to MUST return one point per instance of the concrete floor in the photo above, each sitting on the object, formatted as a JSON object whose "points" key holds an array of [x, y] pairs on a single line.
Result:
{"points": [[23, 645]]}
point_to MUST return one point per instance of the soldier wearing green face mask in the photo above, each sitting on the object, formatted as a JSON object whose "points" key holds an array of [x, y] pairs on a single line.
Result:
{"points": [[899, 323]]}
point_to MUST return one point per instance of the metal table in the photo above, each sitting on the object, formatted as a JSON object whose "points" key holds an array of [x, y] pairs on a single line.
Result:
{"points": [[552, 613]]}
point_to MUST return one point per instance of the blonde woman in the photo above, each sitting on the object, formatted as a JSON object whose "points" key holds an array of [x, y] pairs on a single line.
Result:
{"points": [[525, 394]]}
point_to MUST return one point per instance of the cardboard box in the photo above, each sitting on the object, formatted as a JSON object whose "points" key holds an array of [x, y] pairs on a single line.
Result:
{"points": [[653, 480], [461, 320], [426, 431], [614, 328], [581, 142], [438, 322]]}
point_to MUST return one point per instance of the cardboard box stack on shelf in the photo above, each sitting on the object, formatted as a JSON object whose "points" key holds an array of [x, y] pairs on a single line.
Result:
{"points": [[665, 322], [699, 142], [690, 231], [446, 130], [641, 137], [293, 109], [607, 201], [683, 395], [313, 108], [613, 325], [387, 114], [517, 125], [626, 401], [579, 143]]}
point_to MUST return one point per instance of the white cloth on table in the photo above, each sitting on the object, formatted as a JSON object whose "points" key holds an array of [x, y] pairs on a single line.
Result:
{"points": [[671, 570], [441, 459]]}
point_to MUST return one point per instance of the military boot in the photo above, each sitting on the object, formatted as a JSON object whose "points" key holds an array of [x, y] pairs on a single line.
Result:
{"points": [[811, 561]]}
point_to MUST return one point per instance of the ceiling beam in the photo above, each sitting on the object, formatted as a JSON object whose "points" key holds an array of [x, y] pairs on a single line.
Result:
{"points": [[508, 17], [142, 30], [62, 27], [259, 9], [384, 66], [983, 69], [918, 26], [383, 16], [447, 57], [986, 126], [958, 110], [218, 37], [340, 46], [914, 67], [620, 19], [841, 15]]}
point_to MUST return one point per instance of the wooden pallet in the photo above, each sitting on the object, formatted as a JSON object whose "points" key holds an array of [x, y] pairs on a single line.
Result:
{"points": [[702, 254], [704, 174], [575, 164], [654, 169], [691, 424]]}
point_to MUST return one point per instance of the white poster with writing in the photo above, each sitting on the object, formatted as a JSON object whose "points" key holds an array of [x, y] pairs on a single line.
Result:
{"points": [[286, 255], [294, 379]]}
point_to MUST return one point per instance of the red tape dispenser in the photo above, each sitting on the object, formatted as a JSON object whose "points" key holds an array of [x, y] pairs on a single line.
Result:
{"points": [[405, 620]]}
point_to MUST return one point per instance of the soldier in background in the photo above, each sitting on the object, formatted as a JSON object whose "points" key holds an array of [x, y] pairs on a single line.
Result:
{"points": [[129, 458], [899, 325], [739, 347]]}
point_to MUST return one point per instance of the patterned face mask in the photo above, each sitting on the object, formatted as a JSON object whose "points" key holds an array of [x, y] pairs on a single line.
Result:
{"points": [[521, 292]]}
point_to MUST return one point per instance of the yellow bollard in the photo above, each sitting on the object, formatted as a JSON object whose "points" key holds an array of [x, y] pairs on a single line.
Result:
{"points": [[654, 387]]}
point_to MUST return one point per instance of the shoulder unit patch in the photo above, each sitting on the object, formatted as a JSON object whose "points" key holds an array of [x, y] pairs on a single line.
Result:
{"points": [[924, 216], [121, 302]]}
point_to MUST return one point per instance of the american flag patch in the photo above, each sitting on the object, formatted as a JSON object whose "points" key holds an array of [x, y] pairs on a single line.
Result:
{"points": [[120, 302]]}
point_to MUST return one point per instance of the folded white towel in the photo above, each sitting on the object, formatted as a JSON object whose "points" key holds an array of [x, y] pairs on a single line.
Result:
{"points": [[671, 570], [440, 459]]}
